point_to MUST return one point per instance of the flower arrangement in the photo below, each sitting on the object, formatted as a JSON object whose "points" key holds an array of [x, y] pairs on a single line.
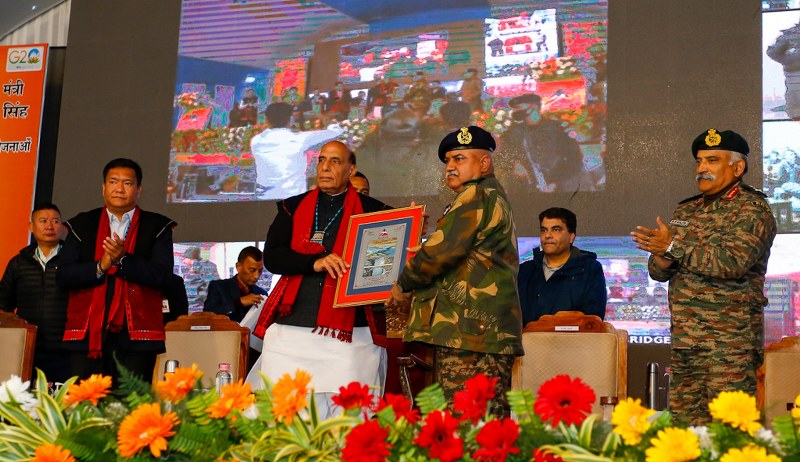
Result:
{"points": [[191, 100], [554, 69], [356, 130], [177, 420]]}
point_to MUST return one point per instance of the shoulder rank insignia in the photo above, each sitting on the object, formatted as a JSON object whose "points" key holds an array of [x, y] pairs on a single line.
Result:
{"points": [[713, 138], [465, 137], [681, 223]]}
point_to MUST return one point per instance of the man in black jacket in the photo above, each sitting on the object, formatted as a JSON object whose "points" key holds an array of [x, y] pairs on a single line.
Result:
{"points": [[116, 262], [233, 297], [29, 288]]}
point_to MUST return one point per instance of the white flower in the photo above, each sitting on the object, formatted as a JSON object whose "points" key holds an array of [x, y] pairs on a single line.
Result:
{"points": [[251, 413], [766, 436], [705, 439], [498, 127], [500, 114], [14, 390], [507, 123]]}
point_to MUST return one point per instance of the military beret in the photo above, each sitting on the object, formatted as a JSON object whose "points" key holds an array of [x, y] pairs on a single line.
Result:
{"points": [[726, 140], [471, 137]]}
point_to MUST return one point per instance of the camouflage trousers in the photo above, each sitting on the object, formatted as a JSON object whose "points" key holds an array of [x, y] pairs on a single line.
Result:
{"points": [[699, 375], [452, 367]]}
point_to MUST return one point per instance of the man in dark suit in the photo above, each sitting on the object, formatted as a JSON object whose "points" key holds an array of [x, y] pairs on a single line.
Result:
{"points": [[233, 297], [116, 262]]}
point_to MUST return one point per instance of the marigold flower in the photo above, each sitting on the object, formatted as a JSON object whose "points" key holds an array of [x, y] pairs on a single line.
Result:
{"points": [[353, 396], [439, 435], [366, 443], [176, 385], [796, 408], [50, 452], [471, 402], [496, 440], [737, 409], [144, 427], [92, 389], [235, 395], [673, 445], [564, 399], [630, 420], [400, 405], [289, 395], [749, 453]]}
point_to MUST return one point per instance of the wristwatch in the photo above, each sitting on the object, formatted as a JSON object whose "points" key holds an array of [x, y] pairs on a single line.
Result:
{"points": [[673, 253], [119, 263], [99, 269]]}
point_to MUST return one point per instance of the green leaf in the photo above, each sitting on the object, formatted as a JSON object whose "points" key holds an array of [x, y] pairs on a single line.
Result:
{"points": [[431, 399]]}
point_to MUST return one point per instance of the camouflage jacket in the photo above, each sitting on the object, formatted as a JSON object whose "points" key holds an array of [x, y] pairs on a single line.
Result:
{"points": [[464, 277], [716, 283]]}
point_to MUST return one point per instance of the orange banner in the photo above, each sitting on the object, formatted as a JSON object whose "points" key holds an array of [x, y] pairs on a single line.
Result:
{"points": [[22, 78]]}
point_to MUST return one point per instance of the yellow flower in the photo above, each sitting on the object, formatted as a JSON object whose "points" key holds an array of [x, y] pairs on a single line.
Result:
{"points": [[176, 385], [630, 420], [673, 445], [234, 396], [143, 427], [796, 408], [749, 453], [50, 452], [92, 389], [737, 409], [289, 395]]}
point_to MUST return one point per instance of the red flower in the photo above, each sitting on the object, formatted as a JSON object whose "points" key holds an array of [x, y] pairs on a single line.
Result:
{"points": [[496, 439], [438, 434], [542, 456], [354, 396], [400, 405], [562, 398], [366, 443], [471, 402]]}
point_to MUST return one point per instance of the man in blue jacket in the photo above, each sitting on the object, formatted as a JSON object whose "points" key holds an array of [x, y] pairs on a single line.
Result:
{"points": [[235, 296], [561, 277]]}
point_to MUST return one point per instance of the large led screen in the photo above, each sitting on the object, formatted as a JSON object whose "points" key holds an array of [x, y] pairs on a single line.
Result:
{"points": [[261, 85]]}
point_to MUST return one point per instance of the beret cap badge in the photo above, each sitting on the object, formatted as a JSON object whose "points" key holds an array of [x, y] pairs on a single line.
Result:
{"points": [[713, 138], [465, 137]]}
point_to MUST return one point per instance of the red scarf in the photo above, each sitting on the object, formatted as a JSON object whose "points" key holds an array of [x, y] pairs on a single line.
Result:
{"points": [[336, 322], [97, 295]]}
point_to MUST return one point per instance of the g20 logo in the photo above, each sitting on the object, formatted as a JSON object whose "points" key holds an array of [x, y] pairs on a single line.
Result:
{"points": [[22, 56]]}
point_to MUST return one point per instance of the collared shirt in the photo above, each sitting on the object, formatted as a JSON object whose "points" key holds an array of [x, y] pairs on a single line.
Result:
{"points": [[120, 226], [42, 258]]}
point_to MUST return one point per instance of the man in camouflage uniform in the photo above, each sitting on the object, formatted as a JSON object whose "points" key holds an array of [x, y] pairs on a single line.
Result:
{"points": [[714, 254], [464, 277]]}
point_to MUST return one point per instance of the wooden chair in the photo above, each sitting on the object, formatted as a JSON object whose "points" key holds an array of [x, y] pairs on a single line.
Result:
{"points": [[778, 379], [580, 345], [17, 342], [206, 339]]}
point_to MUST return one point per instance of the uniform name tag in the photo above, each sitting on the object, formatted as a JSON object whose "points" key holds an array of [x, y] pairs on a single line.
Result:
{"points": [[567, 328], [679, 223]]}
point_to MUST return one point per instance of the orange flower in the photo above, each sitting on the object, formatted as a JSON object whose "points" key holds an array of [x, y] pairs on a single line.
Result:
{"points": [[289, 395], [176, 385], [143, 427], [92, 389], [50, 452], [234, 396]]}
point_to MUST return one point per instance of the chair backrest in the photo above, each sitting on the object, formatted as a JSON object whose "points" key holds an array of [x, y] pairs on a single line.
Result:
{"points": [[206, 339], [17, 342], [580, 345], [779, 377]]}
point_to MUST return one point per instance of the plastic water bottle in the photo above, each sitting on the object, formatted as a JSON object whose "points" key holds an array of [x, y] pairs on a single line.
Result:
{"points": [[224, 376]]}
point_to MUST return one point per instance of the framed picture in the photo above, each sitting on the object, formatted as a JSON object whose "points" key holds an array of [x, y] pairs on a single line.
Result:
{"points": [[375, 246]]}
